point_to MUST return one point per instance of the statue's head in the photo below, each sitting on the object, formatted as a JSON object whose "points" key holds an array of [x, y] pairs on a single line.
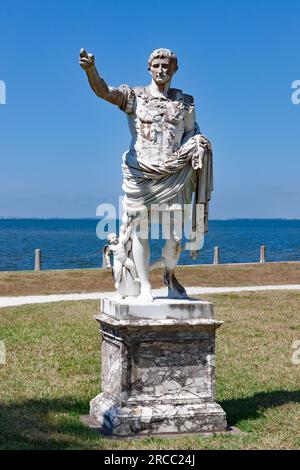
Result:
{"points": [[112, 238], [162, 64]]}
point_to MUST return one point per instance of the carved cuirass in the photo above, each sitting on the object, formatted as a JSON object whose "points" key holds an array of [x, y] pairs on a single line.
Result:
{"points": [[157, 125]]}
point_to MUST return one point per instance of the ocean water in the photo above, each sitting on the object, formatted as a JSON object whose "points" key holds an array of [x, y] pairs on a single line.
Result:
{"points": [[72, 243]]}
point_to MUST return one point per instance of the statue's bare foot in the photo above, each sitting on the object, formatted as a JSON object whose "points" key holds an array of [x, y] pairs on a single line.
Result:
{"points": [[145, 295], [175, 289]]}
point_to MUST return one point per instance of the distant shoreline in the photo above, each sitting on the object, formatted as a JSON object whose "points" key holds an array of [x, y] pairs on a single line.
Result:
{"points": [[98, 218]]}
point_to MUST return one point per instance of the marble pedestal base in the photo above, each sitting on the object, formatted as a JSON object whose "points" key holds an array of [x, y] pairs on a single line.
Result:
{"points": [[158, 368]]}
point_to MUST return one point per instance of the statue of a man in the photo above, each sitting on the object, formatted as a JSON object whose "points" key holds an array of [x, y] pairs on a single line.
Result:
{"points": [[168, 165]]}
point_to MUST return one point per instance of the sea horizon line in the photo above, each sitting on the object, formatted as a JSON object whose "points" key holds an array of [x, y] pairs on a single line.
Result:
{"points": [[98, 218]]}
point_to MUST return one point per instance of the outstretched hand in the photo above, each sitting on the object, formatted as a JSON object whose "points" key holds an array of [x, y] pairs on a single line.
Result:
{"points": [[86, 61]]}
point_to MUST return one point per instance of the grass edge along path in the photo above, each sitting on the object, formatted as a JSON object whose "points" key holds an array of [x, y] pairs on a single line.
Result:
{"points": [[20, 283]]}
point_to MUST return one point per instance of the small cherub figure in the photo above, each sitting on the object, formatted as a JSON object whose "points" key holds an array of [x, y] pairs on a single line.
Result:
{"points": [[121, 259]]}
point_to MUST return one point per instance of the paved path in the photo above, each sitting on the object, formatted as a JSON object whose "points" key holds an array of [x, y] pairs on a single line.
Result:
{"points": [[41, 299]]}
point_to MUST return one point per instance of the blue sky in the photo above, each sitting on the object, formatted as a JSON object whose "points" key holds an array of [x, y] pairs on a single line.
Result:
{"points": [[61, 146]]}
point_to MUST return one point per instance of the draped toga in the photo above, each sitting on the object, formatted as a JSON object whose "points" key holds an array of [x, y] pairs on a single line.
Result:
{"points": [[163, 166]]}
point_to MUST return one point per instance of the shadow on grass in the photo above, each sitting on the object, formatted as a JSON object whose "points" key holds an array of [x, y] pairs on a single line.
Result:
{"points": [[44, 424], [252, 407], [55, 423]]}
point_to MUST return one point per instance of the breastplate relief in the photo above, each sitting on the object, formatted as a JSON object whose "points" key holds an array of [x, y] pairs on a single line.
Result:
{"points": [[159, 125]]}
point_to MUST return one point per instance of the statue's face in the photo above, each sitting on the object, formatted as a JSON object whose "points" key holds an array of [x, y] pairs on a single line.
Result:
{"points": [[113, 239], [161, 70]]}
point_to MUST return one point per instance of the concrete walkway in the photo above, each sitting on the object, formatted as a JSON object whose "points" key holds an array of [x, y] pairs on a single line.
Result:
{"points": [[41, 299]]}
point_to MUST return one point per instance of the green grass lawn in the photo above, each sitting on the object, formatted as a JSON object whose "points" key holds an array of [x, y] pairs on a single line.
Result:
{"points": [[53, 370]]}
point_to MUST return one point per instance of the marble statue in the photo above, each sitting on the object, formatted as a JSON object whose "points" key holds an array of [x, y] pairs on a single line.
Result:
{"points": [[157, 355], [168, 167]]}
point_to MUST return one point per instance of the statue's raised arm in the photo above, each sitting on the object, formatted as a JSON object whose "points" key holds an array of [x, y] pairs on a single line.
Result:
{"points": [[98, 85]]}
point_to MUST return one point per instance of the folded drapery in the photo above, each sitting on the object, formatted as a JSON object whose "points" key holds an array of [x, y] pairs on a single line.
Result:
{"points": [[186, 177]]}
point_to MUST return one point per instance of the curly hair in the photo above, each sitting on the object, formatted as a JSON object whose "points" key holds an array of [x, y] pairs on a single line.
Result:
{"points": [[163, 54]]}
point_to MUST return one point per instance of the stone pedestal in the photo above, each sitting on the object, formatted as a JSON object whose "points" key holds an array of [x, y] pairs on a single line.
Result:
{"points": [[158, 368]]}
